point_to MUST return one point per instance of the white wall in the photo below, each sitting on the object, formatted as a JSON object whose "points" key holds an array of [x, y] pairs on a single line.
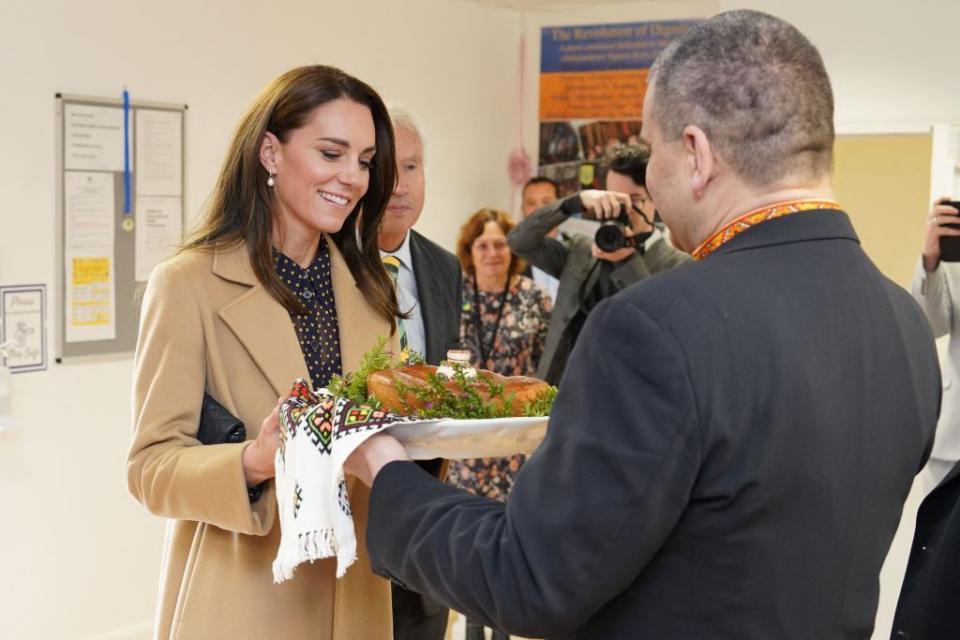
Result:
{"points": [[894, 64], [78, 557]]}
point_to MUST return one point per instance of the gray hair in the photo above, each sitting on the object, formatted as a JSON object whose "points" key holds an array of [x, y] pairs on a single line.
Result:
{"points": [[759, 90], [402, 118]]}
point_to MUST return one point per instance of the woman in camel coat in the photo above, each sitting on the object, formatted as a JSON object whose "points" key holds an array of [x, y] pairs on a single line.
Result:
{"points": [[283, 280]]}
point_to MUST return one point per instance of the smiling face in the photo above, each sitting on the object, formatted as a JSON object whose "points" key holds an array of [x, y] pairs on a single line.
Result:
{"points": [[322, 169], [491, 254]]}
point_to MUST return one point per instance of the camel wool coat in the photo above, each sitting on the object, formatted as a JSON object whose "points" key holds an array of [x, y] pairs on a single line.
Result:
{"points": [[207, 323]]}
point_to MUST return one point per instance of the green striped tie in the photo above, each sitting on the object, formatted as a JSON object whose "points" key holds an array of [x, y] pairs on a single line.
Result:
{"points": [[392, 265]]}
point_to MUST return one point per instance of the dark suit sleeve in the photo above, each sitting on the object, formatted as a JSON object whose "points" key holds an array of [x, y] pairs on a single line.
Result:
{"points": [[453, 282], [530, 241], [589, 509], [439, 284]]}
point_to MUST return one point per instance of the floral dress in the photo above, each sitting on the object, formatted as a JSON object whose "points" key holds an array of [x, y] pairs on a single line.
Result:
{"points": [[506, 333]]}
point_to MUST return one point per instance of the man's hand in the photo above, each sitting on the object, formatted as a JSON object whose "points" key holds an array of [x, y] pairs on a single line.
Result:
{"points": [[604, 204], [374, 454], [612, 256], [940, 214]]}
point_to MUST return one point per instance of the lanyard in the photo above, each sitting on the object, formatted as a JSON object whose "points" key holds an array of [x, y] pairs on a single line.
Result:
{"points": [[478, 322]]}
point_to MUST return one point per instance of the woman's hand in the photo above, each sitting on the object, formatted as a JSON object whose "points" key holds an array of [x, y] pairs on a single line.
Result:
{"points": [[940, 214], [258, 458]]}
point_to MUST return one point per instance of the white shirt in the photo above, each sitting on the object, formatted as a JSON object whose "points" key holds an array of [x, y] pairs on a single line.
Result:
{"points": [[546, 281], [408, 297]]}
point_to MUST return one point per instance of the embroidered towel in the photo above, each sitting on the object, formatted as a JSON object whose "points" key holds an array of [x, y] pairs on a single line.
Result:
{"points": [[318, 432]]}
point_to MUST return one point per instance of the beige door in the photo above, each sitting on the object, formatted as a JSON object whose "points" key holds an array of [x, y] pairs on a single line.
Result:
{"points": [[883, 182]]}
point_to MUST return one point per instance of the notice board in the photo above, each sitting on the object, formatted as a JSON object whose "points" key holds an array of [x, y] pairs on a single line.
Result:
{"points": [[120, 192]]}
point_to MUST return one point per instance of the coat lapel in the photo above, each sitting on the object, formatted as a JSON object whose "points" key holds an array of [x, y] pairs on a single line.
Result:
{"points": [[432, 300], [261, 324], [276, 350]]}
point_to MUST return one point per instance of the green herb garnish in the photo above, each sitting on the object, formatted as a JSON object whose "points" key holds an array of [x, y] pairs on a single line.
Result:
{"points": [[542, 403], [472, 398], [353, 386]]}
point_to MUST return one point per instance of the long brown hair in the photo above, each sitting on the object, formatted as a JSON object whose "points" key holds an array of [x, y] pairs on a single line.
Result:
{"points": [[239, 207], [473, 229]]}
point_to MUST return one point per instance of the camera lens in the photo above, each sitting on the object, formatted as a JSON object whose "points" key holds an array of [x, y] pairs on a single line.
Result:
{"points": [[610, 237]]}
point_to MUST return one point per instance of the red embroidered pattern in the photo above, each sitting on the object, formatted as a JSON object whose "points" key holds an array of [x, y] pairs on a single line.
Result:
{"points": [[755, 217]]}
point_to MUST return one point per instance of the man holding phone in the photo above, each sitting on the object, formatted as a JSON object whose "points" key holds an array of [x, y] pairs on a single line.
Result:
{"points": [[930, 591], [935, 282]]}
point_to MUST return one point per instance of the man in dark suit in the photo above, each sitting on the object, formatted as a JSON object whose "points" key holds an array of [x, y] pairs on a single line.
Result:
{"points": [[733, 440], [930, 596], [429, 291]]}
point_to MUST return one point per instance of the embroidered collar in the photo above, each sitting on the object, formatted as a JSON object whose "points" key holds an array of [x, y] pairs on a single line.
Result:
{"points": [[752, 218]]}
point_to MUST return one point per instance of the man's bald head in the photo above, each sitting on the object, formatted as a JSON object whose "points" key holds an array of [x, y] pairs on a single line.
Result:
{"points": [[757, 88]]}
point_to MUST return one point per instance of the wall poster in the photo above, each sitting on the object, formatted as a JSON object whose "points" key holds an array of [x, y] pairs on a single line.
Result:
{"points": [[592, 82]]}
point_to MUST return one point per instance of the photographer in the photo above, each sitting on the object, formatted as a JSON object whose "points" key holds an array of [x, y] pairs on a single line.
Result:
{"points": [[929, 594], [586, 271], [934, 286]]}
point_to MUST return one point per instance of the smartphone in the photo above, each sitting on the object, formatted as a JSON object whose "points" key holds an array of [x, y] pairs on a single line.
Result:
{"points": [[950, 245]]}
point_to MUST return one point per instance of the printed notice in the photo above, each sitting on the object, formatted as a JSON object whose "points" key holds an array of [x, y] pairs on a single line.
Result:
{"points": [[159, 232], [24, 322], [89, 257], [89, 211], [93, 138], [91, 313], [159, 158]]}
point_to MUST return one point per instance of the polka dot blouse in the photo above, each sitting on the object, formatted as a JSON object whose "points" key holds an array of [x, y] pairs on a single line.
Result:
{"points": [[316, 329]]}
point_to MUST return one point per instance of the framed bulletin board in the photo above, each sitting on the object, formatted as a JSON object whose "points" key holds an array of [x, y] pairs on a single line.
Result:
{"points": [[120, 193]]}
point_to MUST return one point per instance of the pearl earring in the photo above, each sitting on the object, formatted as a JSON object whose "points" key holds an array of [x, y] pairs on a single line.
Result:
{"points": [[271, 179]]}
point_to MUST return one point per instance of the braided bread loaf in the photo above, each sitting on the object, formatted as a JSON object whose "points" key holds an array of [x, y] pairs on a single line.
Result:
{"points": [[519, 389]]}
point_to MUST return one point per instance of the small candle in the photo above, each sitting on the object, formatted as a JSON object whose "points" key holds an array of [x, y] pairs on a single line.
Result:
{"points": [[457, 359]]}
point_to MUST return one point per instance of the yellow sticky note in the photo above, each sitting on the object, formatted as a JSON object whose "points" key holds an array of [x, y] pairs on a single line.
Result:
{"points": [[91, 270]]}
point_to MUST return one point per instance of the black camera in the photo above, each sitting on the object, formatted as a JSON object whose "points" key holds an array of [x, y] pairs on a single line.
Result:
{"points": [[612, 235], [950, 245]]}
